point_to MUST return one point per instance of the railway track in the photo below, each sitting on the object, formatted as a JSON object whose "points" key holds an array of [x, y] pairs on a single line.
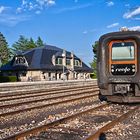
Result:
{"points": [[74, 113], [28, 91], [43, 84], [41, 92], [63, 125], [100, 133], [40, 128], [67, 98], [60, 100]]}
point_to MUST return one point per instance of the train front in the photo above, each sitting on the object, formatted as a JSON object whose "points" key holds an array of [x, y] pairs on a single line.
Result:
{"points": [[118, 66]]}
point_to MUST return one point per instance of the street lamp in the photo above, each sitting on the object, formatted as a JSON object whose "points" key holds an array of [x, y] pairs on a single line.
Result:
{"points": [[63, 55]]}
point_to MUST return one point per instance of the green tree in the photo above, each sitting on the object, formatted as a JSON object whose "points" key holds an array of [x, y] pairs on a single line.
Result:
{"points": [[39, 42], [31, 44], [4, 50], [23, 44], [94, 63], [94, 46]]}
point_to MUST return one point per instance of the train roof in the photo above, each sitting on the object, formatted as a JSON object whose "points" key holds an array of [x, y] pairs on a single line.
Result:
{"points": [[116, 35]]}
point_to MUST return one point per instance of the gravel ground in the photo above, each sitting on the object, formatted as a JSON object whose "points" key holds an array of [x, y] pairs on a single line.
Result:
{"points": [[11, 124], [127, 130], [81, 127]]}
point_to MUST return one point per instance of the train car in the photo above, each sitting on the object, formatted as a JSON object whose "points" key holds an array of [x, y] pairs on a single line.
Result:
{"points": [[118, 67]]}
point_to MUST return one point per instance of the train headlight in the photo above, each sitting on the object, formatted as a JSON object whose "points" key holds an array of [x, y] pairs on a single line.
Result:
{"points": [[112, 70], [133, 66]]}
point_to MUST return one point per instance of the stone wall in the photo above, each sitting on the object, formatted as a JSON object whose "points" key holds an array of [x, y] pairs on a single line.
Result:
{"points": [[52, 76]]}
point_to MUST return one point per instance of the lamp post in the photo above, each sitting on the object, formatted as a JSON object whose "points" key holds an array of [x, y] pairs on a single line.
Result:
{"points": [[63, 55]]}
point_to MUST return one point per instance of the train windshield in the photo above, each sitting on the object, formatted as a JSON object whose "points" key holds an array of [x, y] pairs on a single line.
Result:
{"points": [[123, 51]]}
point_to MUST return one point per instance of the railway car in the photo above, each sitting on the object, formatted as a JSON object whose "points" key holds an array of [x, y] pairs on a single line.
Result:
{"points": [[118, 67]]}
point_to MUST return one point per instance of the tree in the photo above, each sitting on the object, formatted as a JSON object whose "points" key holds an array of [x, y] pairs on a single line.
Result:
{"points": [[31, 44], [4, 50], [94, 46], [23, 44], [39, 42], [94, 63]]}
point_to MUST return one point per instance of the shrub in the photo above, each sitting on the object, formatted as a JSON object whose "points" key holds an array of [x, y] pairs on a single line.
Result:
{"points": [[93, 76], [8, 79]]}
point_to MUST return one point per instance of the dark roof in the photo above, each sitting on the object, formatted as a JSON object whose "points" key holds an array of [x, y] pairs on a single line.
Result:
{"points": [[41, 59]]}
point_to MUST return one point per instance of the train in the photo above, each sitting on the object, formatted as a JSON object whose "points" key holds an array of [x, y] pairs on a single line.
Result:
{"points": [[118, 67]]}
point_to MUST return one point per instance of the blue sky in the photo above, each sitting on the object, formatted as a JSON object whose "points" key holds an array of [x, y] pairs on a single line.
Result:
{"points": [[73, 25]]}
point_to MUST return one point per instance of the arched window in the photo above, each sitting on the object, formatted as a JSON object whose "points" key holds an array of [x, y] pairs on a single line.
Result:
{"points": [[77, 63], [20, 60]]}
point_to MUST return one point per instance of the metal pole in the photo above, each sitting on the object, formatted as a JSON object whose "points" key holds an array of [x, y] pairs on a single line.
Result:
{"points": [[63, 73], [63, 55]]}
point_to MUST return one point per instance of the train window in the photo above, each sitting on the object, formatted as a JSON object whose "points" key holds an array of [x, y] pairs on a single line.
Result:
{"points": [[123, 51]]}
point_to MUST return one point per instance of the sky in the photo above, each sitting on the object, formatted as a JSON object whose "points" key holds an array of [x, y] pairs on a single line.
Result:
{"points": [[73, 25]]}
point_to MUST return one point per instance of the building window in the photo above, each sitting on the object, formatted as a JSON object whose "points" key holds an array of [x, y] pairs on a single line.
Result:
{"points": [[58, 61], [20, 60], [77, 63], [68, 62]]}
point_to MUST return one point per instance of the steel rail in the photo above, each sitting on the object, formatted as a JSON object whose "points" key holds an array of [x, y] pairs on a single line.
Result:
{"points": [[22, 84], [39, 93], [29, 85], [45, 99], [38, 129], [110, 125], [25, 92], [46, 105]]}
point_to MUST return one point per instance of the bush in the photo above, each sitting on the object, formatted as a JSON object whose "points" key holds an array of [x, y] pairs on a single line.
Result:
{"points": [[93, 76], [8, 79]]}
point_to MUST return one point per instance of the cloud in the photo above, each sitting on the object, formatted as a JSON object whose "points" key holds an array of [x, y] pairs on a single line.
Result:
{"points": [[51, 2], [12, 20], [35, 5], [113, 25], [46, 2], [9, 17], [38, 12], [24, 2], [110, 3], [89, 31], [85, 32], [132, 14], [75, 1], [135, 28], [3, 9], [19, 10], [73, 8], [127, 5]]}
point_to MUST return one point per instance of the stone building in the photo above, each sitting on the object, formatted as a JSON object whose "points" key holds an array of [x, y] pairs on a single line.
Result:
{"points": [[49, 63]]}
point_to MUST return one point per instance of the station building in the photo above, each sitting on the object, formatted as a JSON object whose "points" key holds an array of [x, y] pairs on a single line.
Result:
{"points": [[48, 63]]}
